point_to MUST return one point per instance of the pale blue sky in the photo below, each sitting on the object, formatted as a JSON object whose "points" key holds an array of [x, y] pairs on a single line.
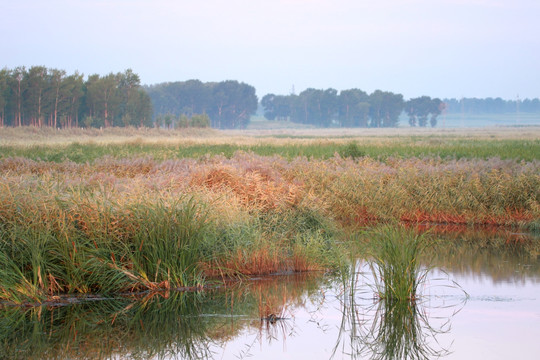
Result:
{"points": [[443, 48]]}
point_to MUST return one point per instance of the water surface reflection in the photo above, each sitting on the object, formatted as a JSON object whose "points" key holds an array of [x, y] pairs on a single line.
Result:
{"points": [[320, 316]]}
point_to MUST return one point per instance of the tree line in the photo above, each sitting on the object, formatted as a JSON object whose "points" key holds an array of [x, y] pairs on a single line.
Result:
{"points": [[228, 104], [350, 108], [491, 106], [40, 96]]}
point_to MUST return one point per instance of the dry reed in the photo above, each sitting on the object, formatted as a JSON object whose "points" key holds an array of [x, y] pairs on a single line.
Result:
{"points": [[261, 214]]}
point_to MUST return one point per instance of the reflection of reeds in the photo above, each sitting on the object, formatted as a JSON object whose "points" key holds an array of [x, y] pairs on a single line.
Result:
{"points": [[401, 331], [389, 328], [504, 255], [102, 329], [153, 325]]}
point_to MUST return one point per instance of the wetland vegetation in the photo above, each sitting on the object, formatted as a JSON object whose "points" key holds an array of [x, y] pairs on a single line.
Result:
{"points": [[81, 217], [166, 243], [340, 312]]}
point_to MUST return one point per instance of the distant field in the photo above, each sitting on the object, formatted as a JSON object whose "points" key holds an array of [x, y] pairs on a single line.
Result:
{"points": [[521, 143], [487, 120], [443, 121]]}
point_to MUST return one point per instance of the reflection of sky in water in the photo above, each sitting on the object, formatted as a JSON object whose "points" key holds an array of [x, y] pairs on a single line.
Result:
{"points": [[500, 320], [494, 313]]}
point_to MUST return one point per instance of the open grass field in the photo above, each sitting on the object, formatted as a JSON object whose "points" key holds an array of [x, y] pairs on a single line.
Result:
{"points": [[132, 210], [77, 145]]}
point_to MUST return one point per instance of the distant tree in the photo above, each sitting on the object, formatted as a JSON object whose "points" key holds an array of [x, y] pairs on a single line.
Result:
{"points": [[308, 103], [168, 120], [385, 108], [48, 97], [57, 77], [418, 110], [128, 83], [183, 121], [317, 107], [229, 104], [33, 85], [329, 107], [17, 88], [421, 108], [326, 108], [4, 94], [353, 108], [72, 95], [232, 104], [277, 106], [283, 106], [88, 121], [437, 107], [103, 92], [200, 121], [143, 109], [196, 97], [269, 105]]}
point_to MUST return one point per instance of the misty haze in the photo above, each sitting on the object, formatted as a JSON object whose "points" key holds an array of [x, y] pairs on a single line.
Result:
{"points": [[270, 179]]}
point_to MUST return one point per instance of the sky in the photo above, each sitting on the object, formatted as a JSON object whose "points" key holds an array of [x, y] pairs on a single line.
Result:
{"points": [[439, 48]]}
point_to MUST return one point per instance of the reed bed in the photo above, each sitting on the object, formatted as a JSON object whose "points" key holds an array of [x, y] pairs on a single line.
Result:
{"points": [[395, 263], [139, 223]]}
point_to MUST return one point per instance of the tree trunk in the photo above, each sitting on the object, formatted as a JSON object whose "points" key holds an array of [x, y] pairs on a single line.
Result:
{"points": [[56, 107], [18, 117]]}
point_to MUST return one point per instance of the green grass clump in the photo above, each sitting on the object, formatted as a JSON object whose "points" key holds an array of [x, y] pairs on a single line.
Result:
{"points": [[166, 250], [395, 263], [352, 150], [155, 247], [60, 239], [274, 242]]}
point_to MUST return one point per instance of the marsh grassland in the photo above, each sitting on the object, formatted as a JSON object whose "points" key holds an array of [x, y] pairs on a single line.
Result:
{"points": [[117, 211]]}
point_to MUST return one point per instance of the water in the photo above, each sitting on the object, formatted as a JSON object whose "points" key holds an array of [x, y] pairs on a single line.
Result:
{"points": [[457, 120], [482, 300]]}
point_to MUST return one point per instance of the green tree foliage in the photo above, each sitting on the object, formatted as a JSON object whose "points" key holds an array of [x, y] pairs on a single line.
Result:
{"points": [[385, 108], [170, 121], [200, 121], [39, 96], [421, 108], [349, 108], [34, 84], [228, 104], [353, 108], [4, 93], [278, 107]]}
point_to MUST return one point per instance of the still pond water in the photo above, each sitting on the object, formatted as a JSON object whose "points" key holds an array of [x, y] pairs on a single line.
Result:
{"points": [[480, 301]]}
